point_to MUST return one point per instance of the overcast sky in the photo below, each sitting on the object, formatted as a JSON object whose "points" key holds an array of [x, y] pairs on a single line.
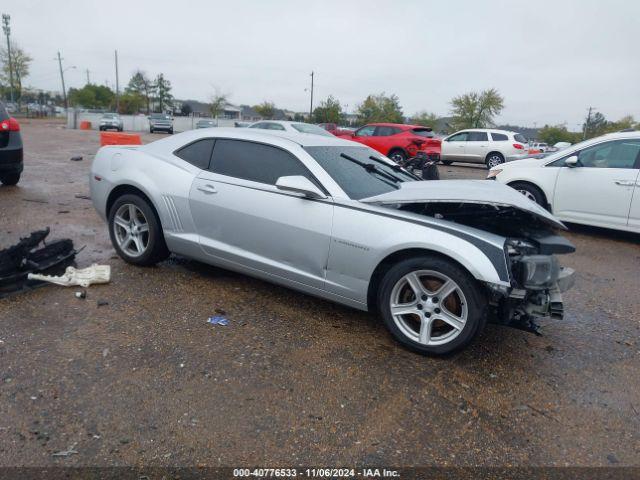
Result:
{"points": [[550, 60]]}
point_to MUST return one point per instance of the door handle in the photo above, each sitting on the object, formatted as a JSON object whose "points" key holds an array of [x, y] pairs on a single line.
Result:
{"points": [[624, 183], [208, 189]]}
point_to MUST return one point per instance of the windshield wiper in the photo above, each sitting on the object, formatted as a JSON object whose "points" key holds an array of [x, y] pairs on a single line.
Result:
{"points": [[370, 167], [395, 167]]}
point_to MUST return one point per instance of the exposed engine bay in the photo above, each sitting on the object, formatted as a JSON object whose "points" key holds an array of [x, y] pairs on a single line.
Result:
{"points": [[537, 279]]}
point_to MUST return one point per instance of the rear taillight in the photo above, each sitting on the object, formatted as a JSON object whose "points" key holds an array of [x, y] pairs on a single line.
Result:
{"points": [[10, 125], [519, 146]]}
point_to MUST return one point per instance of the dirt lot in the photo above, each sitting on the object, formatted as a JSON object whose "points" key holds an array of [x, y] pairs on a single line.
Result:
{"points": [[293, 380]]}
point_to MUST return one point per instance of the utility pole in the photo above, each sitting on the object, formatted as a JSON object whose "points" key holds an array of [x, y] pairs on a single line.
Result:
{"points": [[587, 124], [88, 81], [64, 90], [311, 105], [7, 31], [117, 86]]}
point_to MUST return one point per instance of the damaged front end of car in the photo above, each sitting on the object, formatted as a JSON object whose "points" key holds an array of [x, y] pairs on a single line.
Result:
{"points": [[536, 280]]}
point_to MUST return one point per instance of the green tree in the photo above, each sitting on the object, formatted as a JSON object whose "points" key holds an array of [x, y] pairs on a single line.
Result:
{"points": [[131, 103], [186, 109], [92, 96], [140, 85], [162, 92], [298, 117], [266, 109], [380, 108], [476, 109], [20, 63], [552, 134], [329, 111], [425, 119], [217, 103]]}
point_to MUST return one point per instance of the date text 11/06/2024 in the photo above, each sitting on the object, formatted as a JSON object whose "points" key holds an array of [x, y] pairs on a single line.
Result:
{"points": [[315, 472]]}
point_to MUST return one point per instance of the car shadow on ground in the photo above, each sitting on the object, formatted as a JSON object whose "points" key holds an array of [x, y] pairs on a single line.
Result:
{"points": [[603, 233]]}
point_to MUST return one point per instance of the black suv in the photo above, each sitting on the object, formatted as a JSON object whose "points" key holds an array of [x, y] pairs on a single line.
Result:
{"points": [[10, 148]]}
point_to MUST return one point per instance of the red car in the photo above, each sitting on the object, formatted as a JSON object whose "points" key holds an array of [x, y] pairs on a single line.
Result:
{"points": [[396, 140]]}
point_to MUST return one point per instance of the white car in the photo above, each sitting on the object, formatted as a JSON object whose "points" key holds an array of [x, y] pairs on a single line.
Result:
{"points": [[543, 147], [489, 146], [595, 182], [275, 126]]}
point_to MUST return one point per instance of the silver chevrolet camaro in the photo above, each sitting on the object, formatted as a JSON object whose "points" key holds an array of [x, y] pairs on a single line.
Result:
{"points": [[333, 218]]}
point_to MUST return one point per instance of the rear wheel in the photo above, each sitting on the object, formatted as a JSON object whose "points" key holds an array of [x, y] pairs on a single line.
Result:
{"points": [[431, 305], [530, 191], [494, 159], [10, 178], [135, 231], [397, 156], [151, 130]]}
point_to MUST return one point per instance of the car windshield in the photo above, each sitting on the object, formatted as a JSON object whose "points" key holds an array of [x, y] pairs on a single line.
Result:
{"points": [[110, 115], [423, 132], [308, 128], [159, 116], [360, 171]]}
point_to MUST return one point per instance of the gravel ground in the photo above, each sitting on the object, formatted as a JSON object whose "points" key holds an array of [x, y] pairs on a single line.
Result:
{"points": [[293, 380]]}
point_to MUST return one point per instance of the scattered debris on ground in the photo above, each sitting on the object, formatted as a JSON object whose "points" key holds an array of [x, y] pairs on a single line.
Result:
{"points": [[77, 158], [84, 197], [218, 320], [102, 303], [81, 294], [25, 258], [84, 277], [66, 453]]}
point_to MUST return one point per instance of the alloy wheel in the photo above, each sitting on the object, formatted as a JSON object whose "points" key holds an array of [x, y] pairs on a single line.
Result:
{"points": [[428, 307], [494, 161], [131, 230], [529, 195]]}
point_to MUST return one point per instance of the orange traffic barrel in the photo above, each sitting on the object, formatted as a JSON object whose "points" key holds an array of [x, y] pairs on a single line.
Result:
{"points": [[117, 138], [85, 125]]}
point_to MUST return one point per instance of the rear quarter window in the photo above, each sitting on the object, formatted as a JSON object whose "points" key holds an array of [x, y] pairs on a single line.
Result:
{"points": [[518, 137], [499, 137], [197, 153]]}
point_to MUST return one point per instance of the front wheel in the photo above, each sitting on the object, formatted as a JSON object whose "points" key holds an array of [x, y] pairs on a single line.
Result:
{"points": [[494, 159], [532, 192], [135, 231], [10, 179], [431, 305]]}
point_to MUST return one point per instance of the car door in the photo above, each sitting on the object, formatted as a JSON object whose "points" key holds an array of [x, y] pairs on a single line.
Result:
{"points": [[599, 189], [365, 135], [634, 211], [453, 147], [243, 220], [477, 147]]}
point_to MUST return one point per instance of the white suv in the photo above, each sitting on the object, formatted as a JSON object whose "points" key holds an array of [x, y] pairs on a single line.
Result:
{"points": [[488, 146]]}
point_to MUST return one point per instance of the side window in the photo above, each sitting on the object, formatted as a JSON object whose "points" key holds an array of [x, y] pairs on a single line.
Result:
{"points": [[255, 162], [618, 154], [499, 137], [262, 125], [386, 131], [477, 137], [274, 126], [197, 153], [458, 137], [366, 131]]}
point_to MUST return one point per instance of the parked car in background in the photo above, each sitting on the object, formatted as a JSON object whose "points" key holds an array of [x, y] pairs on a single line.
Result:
{"points": [[161, 122], [489, 146], [291, 127], [11, 149], [206, 123], [596, 182], [539, 146], [340, 221], [241, 124], [397, 141], [336, 130], [111, 121], [561, 145]]}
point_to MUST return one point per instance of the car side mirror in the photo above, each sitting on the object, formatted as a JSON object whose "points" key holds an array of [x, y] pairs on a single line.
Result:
{"points": [[572, 161], [299, 184]]}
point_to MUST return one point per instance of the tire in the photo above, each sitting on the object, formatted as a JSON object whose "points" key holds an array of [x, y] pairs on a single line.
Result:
{"points": [[467, 299], [171, 132], [100, 128], [10, 179], [151, 130], [447, 162], [152, 247], [494, 159], [120, 129], [530, 191], [397, 155]]}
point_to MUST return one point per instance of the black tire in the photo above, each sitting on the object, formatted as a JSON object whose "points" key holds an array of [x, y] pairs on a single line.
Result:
{"points": [[156, 250], [398, 155], [10, 178], [476, 303], [493, 159], [530, 191], [120, 129], [151, 130], [100, 128], [447, 162], [171, 132]]}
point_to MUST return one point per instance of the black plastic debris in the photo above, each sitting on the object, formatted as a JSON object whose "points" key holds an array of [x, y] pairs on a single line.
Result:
{"points": [[76, 158], [33, 255]]}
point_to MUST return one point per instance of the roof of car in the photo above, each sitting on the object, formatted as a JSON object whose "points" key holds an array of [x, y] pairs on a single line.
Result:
{"points": [[282, 139], [404, 126], [497, 130]]}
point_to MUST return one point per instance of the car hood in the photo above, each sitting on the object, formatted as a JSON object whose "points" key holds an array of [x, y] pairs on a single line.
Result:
{"points": [[464, 191], [524, 163]]}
